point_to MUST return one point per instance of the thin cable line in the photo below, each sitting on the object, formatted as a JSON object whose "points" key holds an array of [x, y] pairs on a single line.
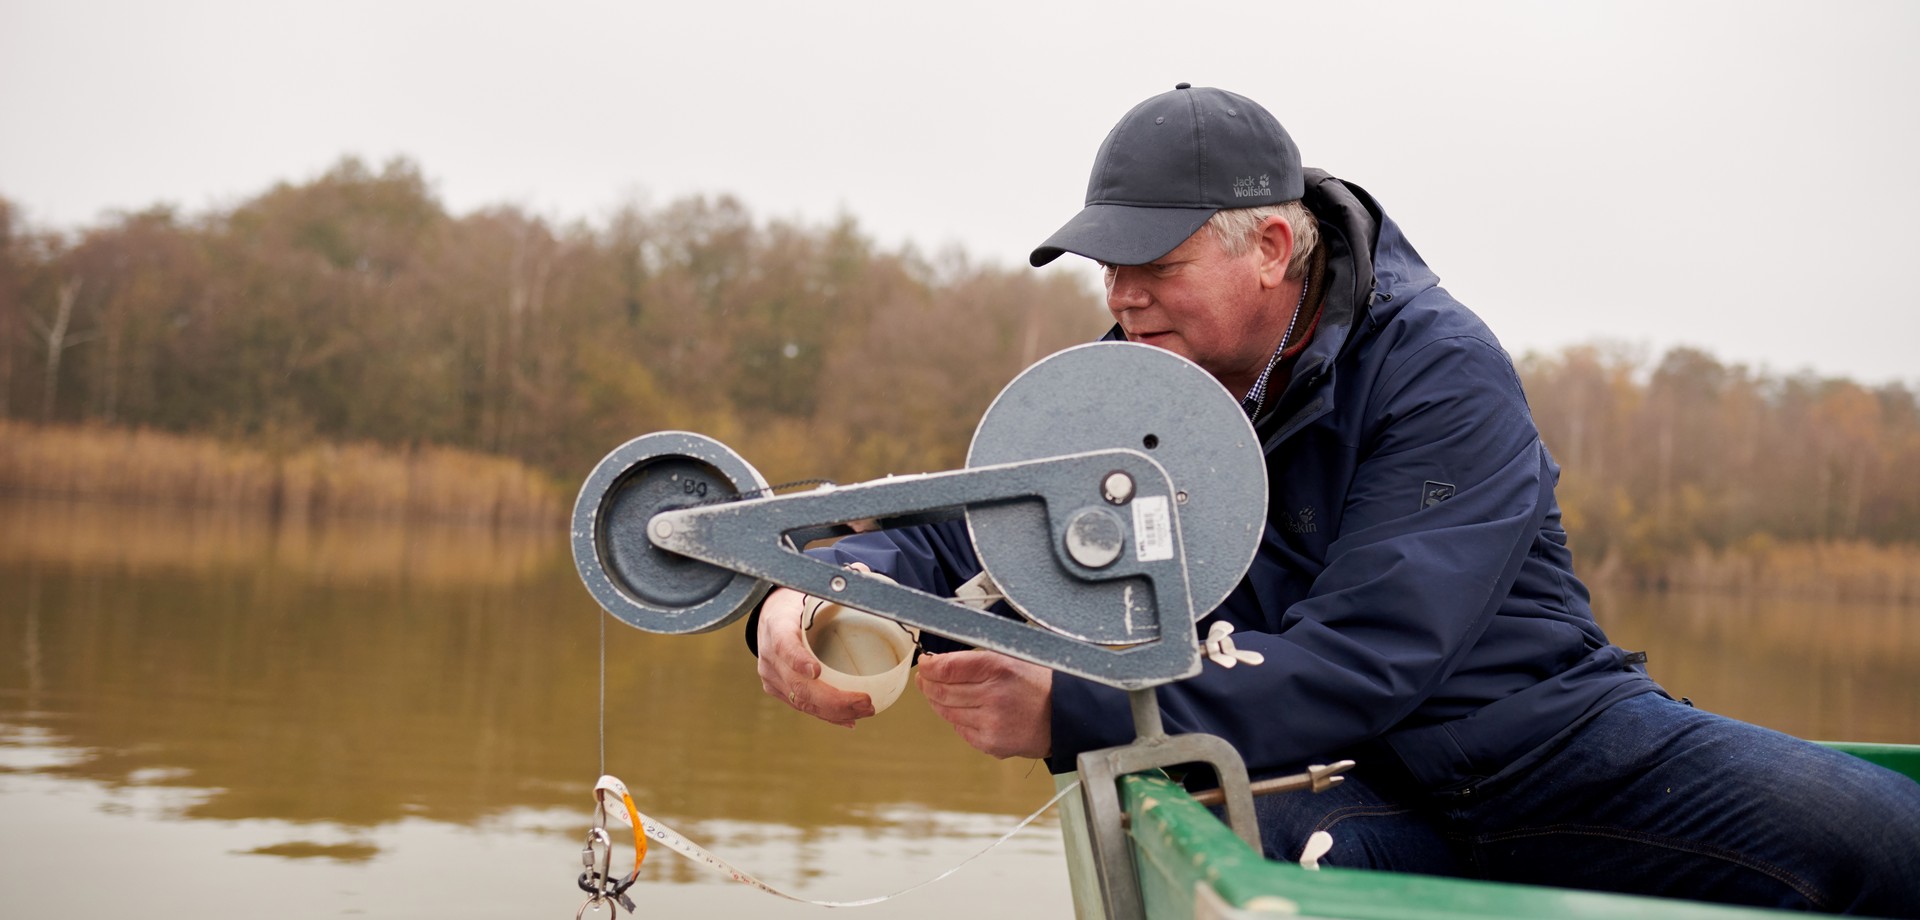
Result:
{"points": [[603, 694]]}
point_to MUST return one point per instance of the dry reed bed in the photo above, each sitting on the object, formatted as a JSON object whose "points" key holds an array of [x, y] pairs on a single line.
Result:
{"points": [[352, 480], [148, 539], [442, 484]]}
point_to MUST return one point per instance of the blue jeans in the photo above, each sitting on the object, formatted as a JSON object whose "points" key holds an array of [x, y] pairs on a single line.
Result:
{"points": [[1650, 797]]}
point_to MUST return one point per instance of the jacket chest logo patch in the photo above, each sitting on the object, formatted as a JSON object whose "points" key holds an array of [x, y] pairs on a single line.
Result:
{"points": [[1300, 522], [1434, 493]]}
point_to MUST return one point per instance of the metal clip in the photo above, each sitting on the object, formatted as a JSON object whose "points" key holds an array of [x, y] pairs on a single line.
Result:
{"points": [[597, 857]]}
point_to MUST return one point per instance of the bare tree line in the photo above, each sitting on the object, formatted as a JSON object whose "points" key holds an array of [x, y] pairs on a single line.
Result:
{"points": [[355, 308], [1683, 456]]}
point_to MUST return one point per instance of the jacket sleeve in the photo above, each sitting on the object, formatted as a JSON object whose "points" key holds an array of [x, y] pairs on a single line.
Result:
{"points": [[935, 558], [1405, 592]]}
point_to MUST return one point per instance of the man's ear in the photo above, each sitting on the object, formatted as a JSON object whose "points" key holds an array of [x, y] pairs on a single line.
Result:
{"points": [[1274, 238]]}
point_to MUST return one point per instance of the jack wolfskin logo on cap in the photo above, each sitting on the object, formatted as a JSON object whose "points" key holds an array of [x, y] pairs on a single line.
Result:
{"points": [[1252, 186], [1434, 493]]}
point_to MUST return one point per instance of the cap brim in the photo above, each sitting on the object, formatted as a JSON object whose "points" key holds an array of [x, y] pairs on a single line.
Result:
{"points": [[1122, 234]]}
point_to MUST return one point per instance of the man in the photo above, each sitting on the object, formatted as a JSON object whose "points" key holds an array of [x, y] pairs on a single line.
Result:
{"points": [[1414, 595]]}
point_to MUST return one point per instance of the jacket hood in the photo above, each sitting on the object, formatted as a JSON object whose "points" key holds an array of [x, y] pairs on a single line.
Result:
{"points": [[1371, 268]]}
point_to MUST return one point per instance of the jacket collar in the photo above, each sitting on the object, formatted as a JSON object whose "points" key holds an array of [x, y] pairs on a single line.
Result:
{"points": [[1349, 231]]}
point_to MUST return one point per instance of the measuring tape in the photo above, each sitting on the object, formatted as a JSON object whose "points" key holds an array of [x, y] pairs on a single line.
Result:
{"points": [[610, 787]]}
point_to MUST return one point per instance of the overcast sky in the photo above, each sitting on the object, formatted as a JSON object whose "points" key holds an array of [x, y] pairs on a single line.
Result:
{"points": [[1736, 176]]}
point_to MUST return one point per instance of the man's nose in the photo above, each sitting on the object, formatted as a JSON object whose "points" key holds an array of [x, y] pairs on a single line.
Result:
{"points": [[1124, 290]]}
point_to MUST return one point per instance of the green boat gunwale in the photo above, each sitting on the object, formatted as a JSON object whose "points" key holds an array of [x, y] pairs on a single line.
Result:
{"points": [[1180, 847]]}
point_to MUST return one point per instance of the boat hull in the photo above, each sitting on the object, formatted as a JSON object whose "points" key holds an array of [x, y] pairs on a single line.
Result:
{"points": [[1191, 865]]}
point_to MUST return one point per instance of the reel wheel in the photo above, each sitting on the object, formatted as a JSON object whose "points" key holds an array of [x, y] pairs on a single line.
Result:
{"points": [[1105, 396], [642, 585]]}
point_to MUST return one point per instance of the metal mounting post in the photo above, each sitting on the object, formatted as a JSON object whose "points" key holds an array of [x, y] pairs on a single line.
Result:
{"points": [[1100, 772]]}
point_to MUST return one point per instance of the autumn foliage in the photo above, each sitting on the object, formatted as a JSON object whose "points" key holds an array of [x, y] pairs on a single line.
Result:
{"points": [[1685, 472], [347, 345], [354, 308]]}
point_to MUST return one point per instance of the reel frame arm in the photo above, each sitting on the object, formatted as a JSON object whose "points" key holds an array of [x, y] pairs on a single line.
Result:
{"points": [[753, 537]]}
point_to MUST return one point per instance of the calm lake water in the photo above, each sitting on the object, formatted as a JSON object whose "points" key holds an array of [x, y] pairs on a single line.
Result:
{"points": [[213, 718]]}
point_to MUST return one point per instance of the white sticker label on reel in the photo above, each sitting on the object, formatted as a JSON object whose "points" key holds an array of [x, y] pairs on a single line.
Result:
{"points": [[1152, 529]]}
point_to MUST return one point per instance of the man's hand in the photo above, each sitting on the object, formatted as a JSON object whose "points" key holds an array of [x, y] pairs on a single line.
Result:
{"points": [[1002, 706], [790, 673]]}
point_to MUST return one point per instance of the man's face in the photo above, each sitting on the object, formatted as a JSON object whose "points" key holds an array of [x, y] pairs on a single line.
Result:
{"points": [[1203, 305]]}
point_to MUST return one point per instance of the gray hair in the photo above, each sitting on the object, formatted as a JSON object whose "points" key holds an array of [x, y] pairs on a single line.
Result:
{"points": [[1234, 228]]}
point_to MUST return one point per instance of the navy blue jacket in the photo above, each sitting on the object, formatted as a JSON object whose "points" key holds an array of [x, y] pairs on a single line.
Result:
{"points": [[1413, 594]]}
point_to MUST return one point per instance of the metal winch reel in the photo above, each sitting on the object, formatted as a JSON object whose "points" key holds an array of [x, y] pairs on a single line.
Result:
{"points": [[1114, 492]]}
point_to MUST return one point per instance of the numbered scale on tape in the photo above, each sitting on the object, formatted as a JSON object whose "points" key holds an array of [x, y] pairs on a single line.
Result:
{"points": [[1114, 493]]}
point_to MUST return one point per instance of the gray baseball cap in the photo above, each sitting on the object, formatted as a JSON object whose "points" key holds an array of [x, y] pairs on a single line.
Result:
{"points": [[1168, 166]]}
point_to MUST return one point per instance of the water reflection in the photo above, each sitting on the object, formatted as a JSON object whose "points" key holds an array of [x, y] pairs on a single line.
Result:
{"points": [[397, 721], [1828, 670], [329, 688]]}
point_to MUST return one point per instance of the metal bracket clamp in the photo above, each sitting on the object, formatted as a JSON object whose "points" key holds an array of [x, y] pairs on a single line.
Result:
{"points": [[1101, 770], [1137, 592]]}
